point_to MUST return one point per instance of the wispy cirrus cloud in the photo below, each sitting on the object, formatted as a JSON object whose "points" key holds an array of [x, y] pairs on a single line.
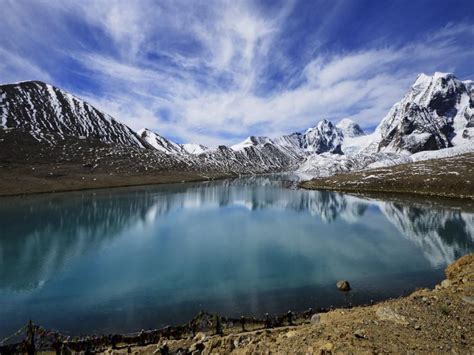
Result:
{"points": [[213, 72], [11, 64]]}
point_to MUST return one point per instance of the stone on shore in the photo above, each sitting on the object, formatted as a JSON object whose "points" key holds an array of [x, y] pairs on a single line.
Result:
{"points": [[315, 319], [343, 285], [387, 313]]}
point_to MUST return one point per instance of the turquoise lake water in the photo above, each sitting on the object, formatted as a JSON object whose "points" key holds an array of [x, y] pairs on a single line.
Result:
{"points": [[122, 260]]}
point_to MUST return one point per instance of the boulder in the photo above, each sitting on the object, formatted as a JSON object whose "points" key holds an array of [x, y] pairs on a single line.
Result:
{"points": [[343, 285]]}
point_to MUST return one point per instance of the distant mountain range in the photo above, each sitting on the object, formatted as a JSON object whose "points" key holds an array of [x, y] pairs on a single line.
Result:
{"points": [[436, 114]]}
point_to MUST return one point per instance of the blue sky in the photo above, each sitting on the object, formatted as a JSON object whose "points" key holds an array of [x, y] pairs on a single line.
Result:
{"points": [[214, 72]]}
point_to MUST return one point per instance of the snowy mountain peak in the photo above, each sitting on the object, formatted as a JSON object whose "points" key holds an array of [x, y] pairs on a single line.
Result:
{"points": [[251, 141], [324, 138], [324, 125], [424, 78], [159, 143], [195, 149], [434, 114], [169, 147], [50, 114], [434, 89]]}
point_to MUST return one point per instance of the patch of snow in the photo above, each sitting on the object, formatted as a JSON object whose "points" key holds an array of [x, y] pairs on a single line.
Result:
{"points": [[354, 145], [3, 109], [251, 141], [443, 153], [194, 148]]}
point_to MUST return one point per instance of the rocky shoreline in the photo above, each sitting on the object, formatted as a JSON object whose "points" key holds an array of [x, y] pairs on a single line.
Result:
{"points": [[427, 321], [440, 320]]}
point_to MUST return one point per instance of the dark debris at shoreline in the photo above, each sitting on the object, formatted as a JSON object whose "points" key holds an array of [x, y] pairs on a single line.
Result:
{"points": [[36, 338]]}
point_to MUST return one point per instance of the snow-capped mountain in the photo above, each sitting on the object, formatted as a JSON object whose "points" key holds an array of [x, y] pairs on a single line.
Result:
{"points": [[166, 146], [50, 114], [289, 146], [52, 118], [160, 143], [434, 119], [436, 113], [252, 159], [252, 141], [324, 138], [192, 148], [256, 157]]}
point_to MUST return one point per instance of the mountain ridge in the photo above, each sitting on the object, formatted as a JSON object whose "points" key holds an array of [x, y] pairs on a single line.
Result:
{"points": [[51, 114], [436, 113]]}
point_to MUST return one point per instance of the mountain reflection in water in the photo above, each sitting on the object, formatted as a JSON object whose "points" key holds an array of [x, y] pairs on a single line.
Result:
{"points": [[229, 241]]}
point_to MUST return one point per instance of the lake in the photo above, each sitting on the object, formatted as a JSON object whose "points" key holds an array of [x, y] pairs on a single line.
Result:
{"points": [[121, 260]]}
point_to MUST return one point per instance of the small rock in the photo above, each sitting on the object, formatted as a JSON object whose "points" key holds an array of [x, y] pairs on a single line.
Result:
{"points": [[417, 327], [343, 285], [387, 313], [199, 336], [315, 319], [445, 283], [360, 334], [291, 334]]}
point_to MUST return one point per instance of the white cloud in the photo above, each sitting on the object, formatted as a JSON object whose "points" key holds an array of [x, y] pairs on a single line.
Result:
{"points": [[203, 62], [15, 68]]}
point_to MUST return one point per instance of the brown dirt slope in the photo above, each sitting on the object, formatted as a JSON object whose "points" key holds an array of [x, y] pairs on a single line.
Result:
{"points": [[44, 178], [446, 177], [427, 321], [29, 167]]}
